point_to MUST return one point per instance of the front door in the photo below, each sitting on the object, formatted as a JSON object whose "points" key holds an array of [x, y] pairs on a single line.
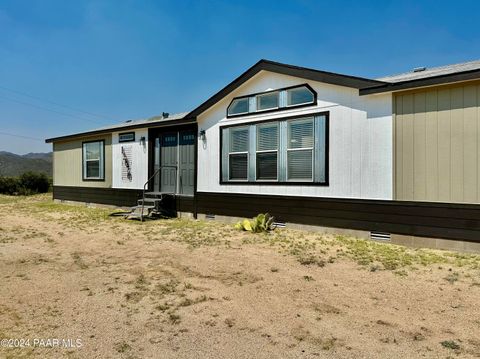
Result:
{"points": [[174, 158]]}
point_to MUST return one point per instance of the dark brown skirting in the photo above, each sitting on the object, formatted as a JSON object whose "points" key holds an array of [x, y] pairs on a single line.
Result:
{"points": [[111, 196], [425, 219]]}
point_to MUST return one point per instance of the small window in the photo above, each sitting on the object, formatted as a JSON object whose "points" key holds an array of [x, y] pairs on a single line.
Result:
{"points": [[93, 160], [299, 96], [300, 150], [238, 153], [239, 106], [267, 151], [267, 101], [126, 137]]}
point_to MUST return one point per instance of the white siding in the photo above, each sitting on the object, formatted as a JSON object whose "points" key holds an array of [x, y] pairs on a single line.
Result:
{"points": [[139, 164], [360, 141]]}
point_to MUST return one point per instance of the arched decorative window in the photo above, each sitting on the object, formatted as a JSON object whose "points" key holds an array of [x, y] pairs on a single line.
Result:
{"points": [[275, 100]]}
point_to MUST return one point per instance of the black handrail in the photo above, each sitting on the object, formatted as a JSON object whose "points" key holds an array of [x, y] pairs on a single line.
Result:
{"points": [[149, 179]]}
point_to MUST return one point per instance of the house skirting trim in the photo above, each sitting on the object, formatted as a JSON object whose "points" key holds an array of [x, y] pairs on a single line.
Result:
{"points": [[451, 221], [421, 219], [112, 196]]}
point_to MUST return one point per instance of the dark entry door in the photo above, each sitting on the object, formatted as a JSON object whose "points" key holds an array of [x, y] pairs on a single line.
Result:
{"points": [[168, 162], [186, 162], [174, 155]]}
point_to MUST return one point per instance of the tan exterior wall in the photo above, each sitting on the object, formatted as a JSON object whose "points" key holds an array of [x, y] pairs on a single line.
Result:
{"points": [[437, 144], [67, 163]]}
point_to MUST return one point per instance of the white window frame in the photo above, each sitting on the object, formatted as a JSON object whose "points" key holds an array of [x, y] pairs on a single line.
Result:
{"points": [[277, 151], [239, 113], [269, 93], [239, 153], [312, 149], [302, 103], [101, 161]]}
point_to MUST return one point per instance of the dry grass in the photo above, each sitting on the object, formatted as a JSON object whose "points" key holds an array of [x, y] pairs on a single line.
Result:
{"points": [[183, 288]]}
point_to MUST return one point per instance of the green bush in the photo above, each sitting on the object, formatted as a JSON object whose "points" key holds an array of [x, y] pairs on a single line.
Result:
{"points": [[9, 185], [27, 184], [35, 182]]}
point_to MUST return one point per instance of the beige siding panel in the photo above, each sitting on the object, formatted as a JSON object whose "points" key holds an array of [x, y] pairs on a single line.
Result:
{"points": [[67, 163], [431, 146], [456, 128], [478, 143], [407, 143], [470, 139], [444, 167], [438, 130], [419, 146], [398, 133]]}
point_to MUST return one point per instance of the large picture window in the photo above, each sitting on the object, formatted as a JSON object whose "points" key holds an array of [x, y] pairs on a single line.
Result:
{"points": [[292, 150], [93, 160]]}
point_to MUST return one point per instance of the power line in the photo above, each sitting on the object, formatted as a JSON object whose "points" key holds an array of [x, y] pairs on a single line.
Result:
{"points": [[49, 109], [21, 136], [54, 103]]}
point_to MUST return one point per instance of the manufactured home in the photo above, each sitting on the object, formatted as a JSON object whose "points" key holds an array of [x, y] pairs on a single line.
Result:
{"points": [[395, 158]]}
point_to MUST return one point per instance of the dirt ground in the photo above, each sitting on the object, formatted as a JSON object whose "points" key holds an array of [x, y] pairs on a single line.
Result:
{"points": [[194, 289]]}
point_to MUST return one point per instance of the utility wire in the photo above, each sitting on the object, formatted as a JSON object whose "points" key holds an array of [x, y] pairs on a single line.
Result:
{"points": [[54, 103], [21, 136], [51, 110]]}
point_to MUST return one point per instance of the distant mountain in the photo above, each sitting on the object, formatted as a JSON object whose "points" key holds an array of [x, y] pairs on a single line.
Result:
{"points": [[14, 165], [47, 156]]}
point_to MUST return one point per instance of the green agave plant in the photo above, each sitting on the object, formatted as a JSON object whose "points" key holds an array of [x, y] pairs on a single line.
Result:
{"points": [[261, 223]]}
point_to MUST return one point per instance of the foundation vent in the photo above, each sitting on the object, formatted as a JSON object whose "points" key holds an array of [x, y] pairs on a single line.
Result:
{"points": [[380, 236], [210, 216], [279, 224]]}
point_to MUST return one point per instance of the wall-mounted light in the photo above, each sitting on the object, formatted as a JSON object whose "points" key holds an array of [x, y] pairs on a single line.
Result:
{"points": [[202, 135], [143, 140]]}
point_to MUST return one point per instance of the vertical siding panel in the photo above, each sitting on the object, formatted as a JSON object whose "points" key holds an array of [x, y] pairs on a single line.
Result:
{"points": [[470, 144], [408, 141], [478, 143], [456, 123], [419, 147], [431, 126], [444, 145], [398, 148]]}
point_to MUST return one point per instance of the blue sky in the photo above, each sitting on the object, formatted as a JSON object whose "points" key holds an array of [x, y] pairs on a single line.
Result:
{"points": [[131, 59]]}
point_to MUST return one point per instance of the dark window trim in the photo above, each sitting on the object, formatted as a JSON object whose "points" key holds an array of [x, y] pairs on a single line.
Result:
{"points": [[126, 133], [325, 183], [276, 109], [103, 159], [241, 113]]}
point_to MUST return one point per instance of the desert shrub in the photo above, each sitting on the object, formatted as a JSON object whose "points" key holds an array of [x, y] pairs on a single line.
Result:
{"points": [[34, 182], [27, 184], [260, 223], [9, 185]]}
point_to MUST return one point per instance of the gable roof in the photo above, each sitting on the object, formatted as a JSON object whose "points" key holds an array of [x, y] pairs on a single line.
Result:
{"points": [[156, 121], [297, 71], [427, 77]]}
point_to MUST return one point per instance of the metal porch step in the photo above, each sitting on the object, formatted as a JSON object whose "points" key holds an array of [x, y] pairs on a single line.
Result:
{"points": [[148, 200]]}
